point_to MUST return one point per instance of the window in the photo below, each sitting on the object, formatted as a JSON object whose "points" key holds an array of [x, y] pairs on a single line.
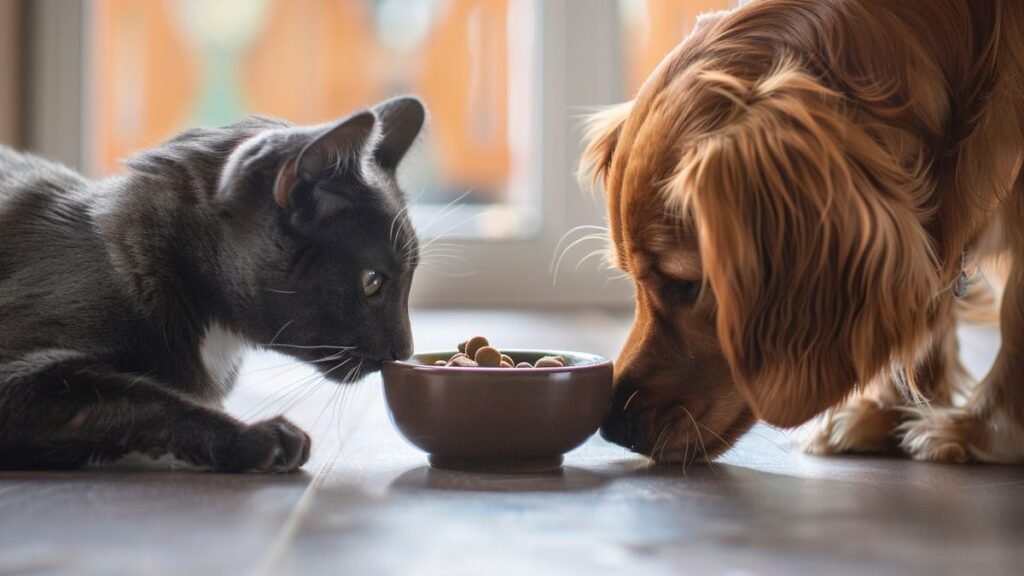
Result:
{"points": [[507, 83], [652, 28], [162, 65]]}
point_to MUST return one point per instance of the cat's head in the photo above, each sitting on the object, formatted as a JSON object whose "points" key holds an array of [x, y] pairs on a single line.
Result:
{"points": [[319, 215]]}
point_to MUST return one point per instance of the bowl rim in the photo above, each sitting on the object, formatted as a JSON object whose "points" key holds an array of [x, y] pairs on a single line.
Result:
{"points": [[601, 363]]}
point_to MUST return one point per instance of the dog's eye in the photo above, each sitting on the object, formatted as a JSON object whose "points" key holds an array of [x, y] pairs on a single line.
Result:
{"points": [[683, 291]]}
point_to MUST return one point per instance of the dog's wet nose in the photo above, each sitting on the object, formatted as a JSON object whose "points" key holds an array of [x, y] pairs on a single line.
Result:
{"points": [[618, 428], [620, 424]]}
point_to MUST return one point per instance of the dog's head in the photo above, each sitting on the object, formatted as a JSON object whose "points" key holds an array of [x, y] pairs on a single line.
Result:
{"points": [[772, 230]]}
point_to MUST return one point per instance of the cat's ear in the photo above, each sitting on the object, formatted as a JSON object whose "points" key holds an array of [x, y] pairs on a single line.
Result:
{"points": [[336, 148], [401, 120]]}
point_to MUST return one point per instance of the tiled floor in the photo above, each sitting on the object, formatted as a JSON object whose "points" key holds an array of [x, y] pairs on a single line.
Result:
{"points": [[368, 504]]}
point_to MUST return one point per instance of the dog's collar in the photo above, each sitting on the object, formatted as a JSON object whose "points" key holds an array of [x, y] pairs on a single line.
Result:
{"points": [[960, 286], [961, 283]]}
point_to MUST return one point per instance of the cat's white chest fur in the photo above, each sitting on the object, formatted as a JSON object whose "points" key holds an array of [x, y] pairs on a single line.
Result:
{"points": [[220, 351]]}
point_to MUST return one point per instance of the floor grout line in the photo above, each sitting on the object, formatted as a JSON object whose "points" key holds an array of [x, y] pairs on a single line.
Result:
{"points": [[290, 528], [291, 525]]}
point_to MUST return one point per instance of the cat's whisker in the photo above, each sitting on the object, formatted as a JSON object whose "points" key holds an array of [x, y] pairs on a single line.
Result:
{"points": [[449, 245], [342, 408], [446, 234], [469, 274], [280, 291], [432, 254], [301, 398], [303, 347], [444, 258], [347, 398], [447, 210], [433, 250], [330, 401], [288, 367], [402, 218], [401, 215], [443, 261], [279, 395], [446, 268], [316, 387], [281, 329], [290, 389]]}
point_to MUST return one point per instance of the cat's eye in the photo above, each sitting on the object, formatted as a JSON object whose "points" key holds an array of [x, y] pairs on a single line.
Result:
{"points": [[371, 280]]}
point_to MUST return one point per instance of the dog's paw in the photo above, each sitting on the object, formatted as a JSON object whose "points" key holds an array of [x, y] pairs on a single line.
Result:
{"points": [[950, 435], [270, 446], [861, 426], [958, 435]]}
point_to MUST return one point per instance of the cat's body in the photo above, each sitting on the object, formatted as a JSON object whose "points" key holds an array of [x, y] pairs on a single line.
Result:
{"points": [[124, 303]]}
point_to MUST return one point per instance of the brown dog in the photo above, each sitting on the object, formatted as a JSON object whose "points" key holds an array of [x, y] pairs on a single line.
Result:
{"points": [[800, 192]]}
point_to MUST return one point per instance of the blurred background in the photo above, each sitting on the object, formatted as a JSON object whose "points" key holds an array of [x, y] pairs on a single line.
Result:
{"points": [[507, 83]]}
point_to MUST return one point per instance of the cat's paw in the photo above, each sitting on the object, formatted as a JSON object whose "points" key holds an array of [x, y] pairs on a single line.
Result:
{"points": [[862, 426], [270, 446]]}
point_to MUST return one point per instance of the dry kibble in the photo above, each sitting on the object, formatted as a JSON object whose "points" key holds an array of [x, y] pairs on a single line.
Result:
{"points": [[475, 343], [549, 362], [477, 351], [488, 356]]}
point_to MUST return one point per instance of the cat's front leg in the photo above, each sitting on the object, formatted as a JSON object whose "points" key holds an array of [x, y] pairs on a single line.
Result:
{"points": [[72, 411]]}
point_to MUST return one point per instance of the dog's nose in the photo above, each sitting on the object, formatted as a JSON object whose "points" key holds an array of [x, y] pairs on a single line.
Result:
{"points": [[618, 428], [620, 424]]}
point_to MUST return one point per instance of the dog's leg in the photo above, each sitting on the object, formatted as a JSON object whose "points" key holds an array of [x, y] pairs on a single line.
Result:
{"points": [[990, 427], [61, 409], [870, 421]]}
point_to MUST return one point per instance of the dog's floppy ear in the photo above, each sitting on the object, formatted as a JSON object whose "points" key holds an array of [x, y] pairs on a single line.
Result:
{"points": [[602, 136], [811, 239]]}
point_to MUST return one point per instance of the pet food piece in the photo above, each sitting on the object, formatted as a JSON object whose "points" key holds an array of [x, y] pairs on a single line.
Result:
{"points": [[524, 365], [550, 362], [440, 363], [505, 364], [463, 362], [488, 356], [475, 343], [462, 346], [508, 359]]}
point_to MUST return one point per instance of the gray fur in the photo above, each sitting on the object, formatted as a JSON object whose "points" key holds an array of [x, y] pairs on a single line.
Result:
{"points": [[125, 275]]}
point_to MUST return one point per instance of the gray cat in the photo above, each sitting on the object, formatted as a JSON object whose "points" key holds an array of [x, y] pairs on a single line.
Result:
{"points": [[124, 302]]}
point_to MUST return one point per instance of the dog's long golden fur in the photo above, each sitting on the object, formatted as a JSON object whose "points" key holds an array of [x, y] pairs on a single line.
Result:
{"points": [[827, 169]]}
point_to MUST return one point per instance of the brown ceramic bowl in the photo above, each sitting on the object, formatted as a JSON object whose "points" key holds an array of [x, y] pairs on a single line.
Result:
{"points": [[498, 419]]}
